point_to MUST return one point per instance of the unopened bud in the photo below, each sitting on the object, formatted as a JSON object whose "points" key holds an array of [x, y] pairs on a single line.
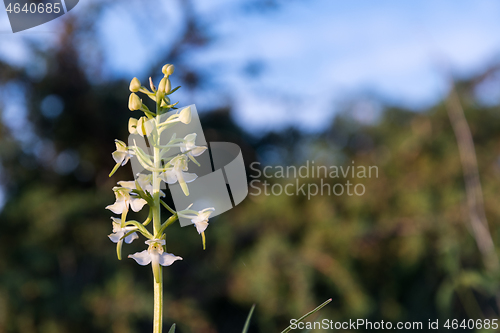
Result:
{"points": [[132, 125], [164, 69], [170, 69], [185, 115], [135, 85], [168, 87], [134, 102], [162, 85]]}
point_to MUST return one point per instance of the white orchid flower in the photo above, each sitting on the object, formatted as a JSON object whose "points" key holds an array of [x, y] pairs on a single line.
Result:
{"points": [[156, 256], [199, 218], [124, 200], [176, 173], [190, 147], [145, 183], [119, 232], [121, 155]]}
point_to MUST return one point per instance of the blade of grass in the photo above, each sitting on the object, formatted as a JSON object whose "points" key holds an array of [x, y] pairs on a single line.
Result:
{"points": [[247, 323], [172, 329], [289, 328]]}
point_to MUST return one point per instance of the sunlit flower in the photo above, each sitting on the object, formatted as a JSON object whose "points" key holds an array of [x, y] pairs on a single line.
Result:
{"points": [[155, 255], [176, 173], [199, 218], [145, 183], [124, 200], [121, 155], [190, 146], [119, 232]]}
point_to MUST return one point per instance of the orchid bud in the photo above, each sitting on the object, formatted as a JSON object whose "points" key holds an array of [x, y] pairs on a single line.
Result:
{"points": [[135, 85], [134, 102], [132, 125], [185, 115], [168, 69], [162, 85], [168, 86]]}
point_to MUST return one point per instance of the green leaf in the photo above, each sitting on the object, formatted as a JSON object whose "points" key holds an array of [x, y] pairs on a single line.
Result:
{"points": [[172, 329], [247, 323], [289, 328], [173, 90]]}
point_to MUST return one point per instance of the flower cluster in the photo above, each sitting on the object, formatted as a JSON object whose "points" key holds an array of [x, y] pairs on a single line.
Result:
{"points": [[145, 191]]}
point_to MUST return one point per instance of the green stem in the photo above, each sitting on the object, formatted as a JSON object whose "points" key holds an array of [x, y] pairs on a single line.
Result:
{"points": [[158, 307], [158, 285]]}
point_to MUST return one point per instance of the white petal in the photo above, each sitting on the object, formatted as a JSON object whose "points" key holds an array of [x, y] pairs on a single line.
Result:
{"points": [[115, 237], [169, 177], [119, 156], [198, 151], [118, 207], [167, 259], [143, 258], [201, 226], [125, 160], [137, 203], [190, 138], [130, 184], [130, 238], [189, 177]]}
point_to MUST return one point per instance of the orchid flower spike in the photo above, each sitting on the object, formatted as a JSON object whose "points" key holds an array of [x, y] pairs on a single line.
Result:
{"points": [[124, 199], [156, 256], [119, 232], [177, 173], [122, 154]]}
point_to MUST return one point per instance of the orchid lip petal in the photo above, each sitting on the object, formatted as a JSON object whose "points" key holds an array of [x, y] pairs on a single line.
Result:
{"points": [[142, 258], [167, 259], [137, 203], [130, 238], [118, 207]]}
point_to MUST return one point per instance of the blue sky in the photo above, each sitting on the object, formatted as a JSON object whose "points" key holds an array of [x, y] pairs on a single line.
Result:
{"points": [[316, 54]]}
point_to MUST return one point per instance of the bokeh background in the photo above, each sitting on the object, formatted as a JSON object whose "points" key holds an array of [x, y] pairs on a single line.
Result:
{"points": [[289, 82]]}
